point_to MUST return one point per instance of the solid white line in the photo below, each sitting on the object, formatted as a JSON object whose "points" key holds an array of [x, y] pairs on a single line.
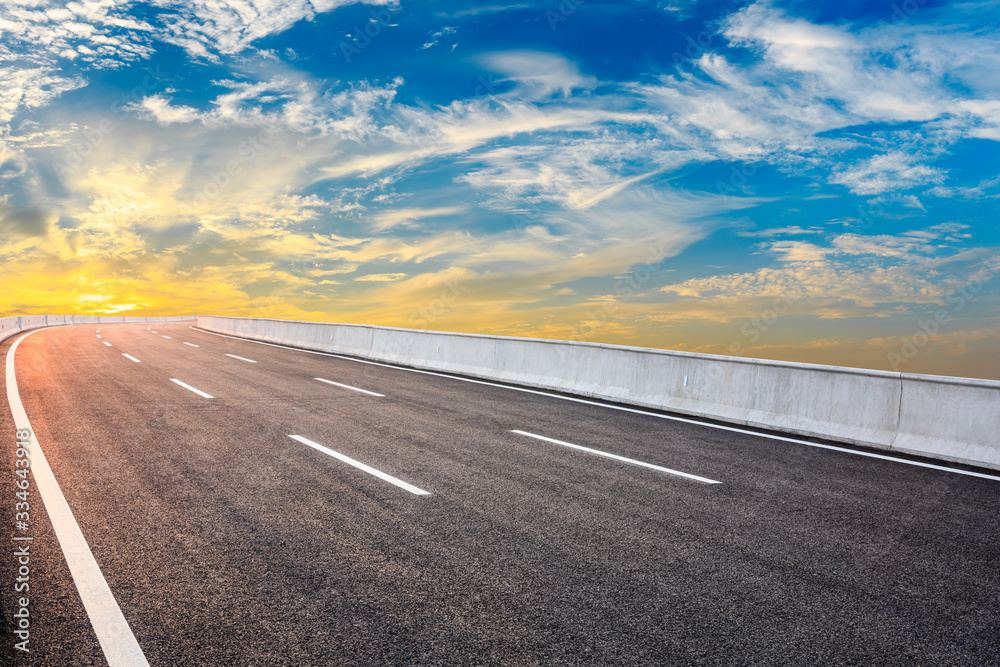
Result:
{"points": [[357, 464], [168, 337], [731, 429], [347, 386], [107, 343], [241, 358], [192, 345], [129, 356], [187, 386], [619, 458], [117, 641]]}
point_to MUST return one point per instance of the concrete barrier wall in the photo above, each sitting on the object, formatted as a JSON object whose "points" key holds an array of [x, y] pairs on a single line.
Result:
{"points": [[16, 324], [955, 418], [952, 419]]}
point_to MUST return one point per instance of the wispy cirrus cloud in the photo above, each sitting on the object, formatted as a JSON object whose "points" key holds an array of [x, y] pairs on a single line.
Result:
{"points": [[832, 78]]}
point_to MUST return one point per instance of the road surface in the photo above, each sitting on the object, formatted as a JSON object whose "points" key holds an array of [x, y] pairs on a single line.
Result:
{"points": [[421, 519]]}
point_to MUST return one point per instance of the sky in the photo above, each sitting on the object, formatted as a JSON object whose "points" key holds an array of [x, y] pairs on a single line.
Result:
{"points": [[804, 181]]}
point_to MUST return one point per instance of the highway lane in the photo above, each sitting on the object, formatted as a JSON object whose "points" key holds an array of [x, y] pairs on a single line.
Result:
{"points": [[225, 541]]}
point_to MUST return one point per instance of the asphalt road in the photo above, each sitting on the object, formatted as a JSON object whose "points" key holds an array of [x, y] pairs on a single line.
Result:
{"points": [[227, 542]]}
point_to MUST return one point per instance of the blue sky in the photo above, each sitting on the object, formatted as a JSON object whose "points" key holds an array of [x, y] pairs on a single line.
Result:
{"points": [[792, 180]]}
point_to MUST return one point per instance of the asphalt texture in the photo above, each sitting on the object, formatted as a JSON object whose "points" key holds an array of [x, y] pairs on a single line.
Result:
{"points": [[226, 542]]}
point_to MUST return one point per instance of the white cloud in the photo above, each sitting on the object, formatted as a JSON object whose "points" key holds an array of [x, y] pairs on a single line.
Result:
{"points": [[22, 89], [206, 28], [833, 63], [478, 10], [852, 275], [798, 251], [103, 34], [30, 88], [978, 118], [780, 231], [884, 173], [282, 102], [405, 217], [536, 73], [418, 135], [97, 32], [437, 35], [159, 109], [575, 173]]}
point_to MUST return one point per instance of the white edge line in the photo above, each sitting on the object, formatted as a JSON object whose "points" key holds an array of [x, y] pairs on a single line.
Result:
{"points": [[189, 387], [129, 356], [241, 358], [113, 632], [696, 478], [721, 427], [347, 386], [361, 466]]}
